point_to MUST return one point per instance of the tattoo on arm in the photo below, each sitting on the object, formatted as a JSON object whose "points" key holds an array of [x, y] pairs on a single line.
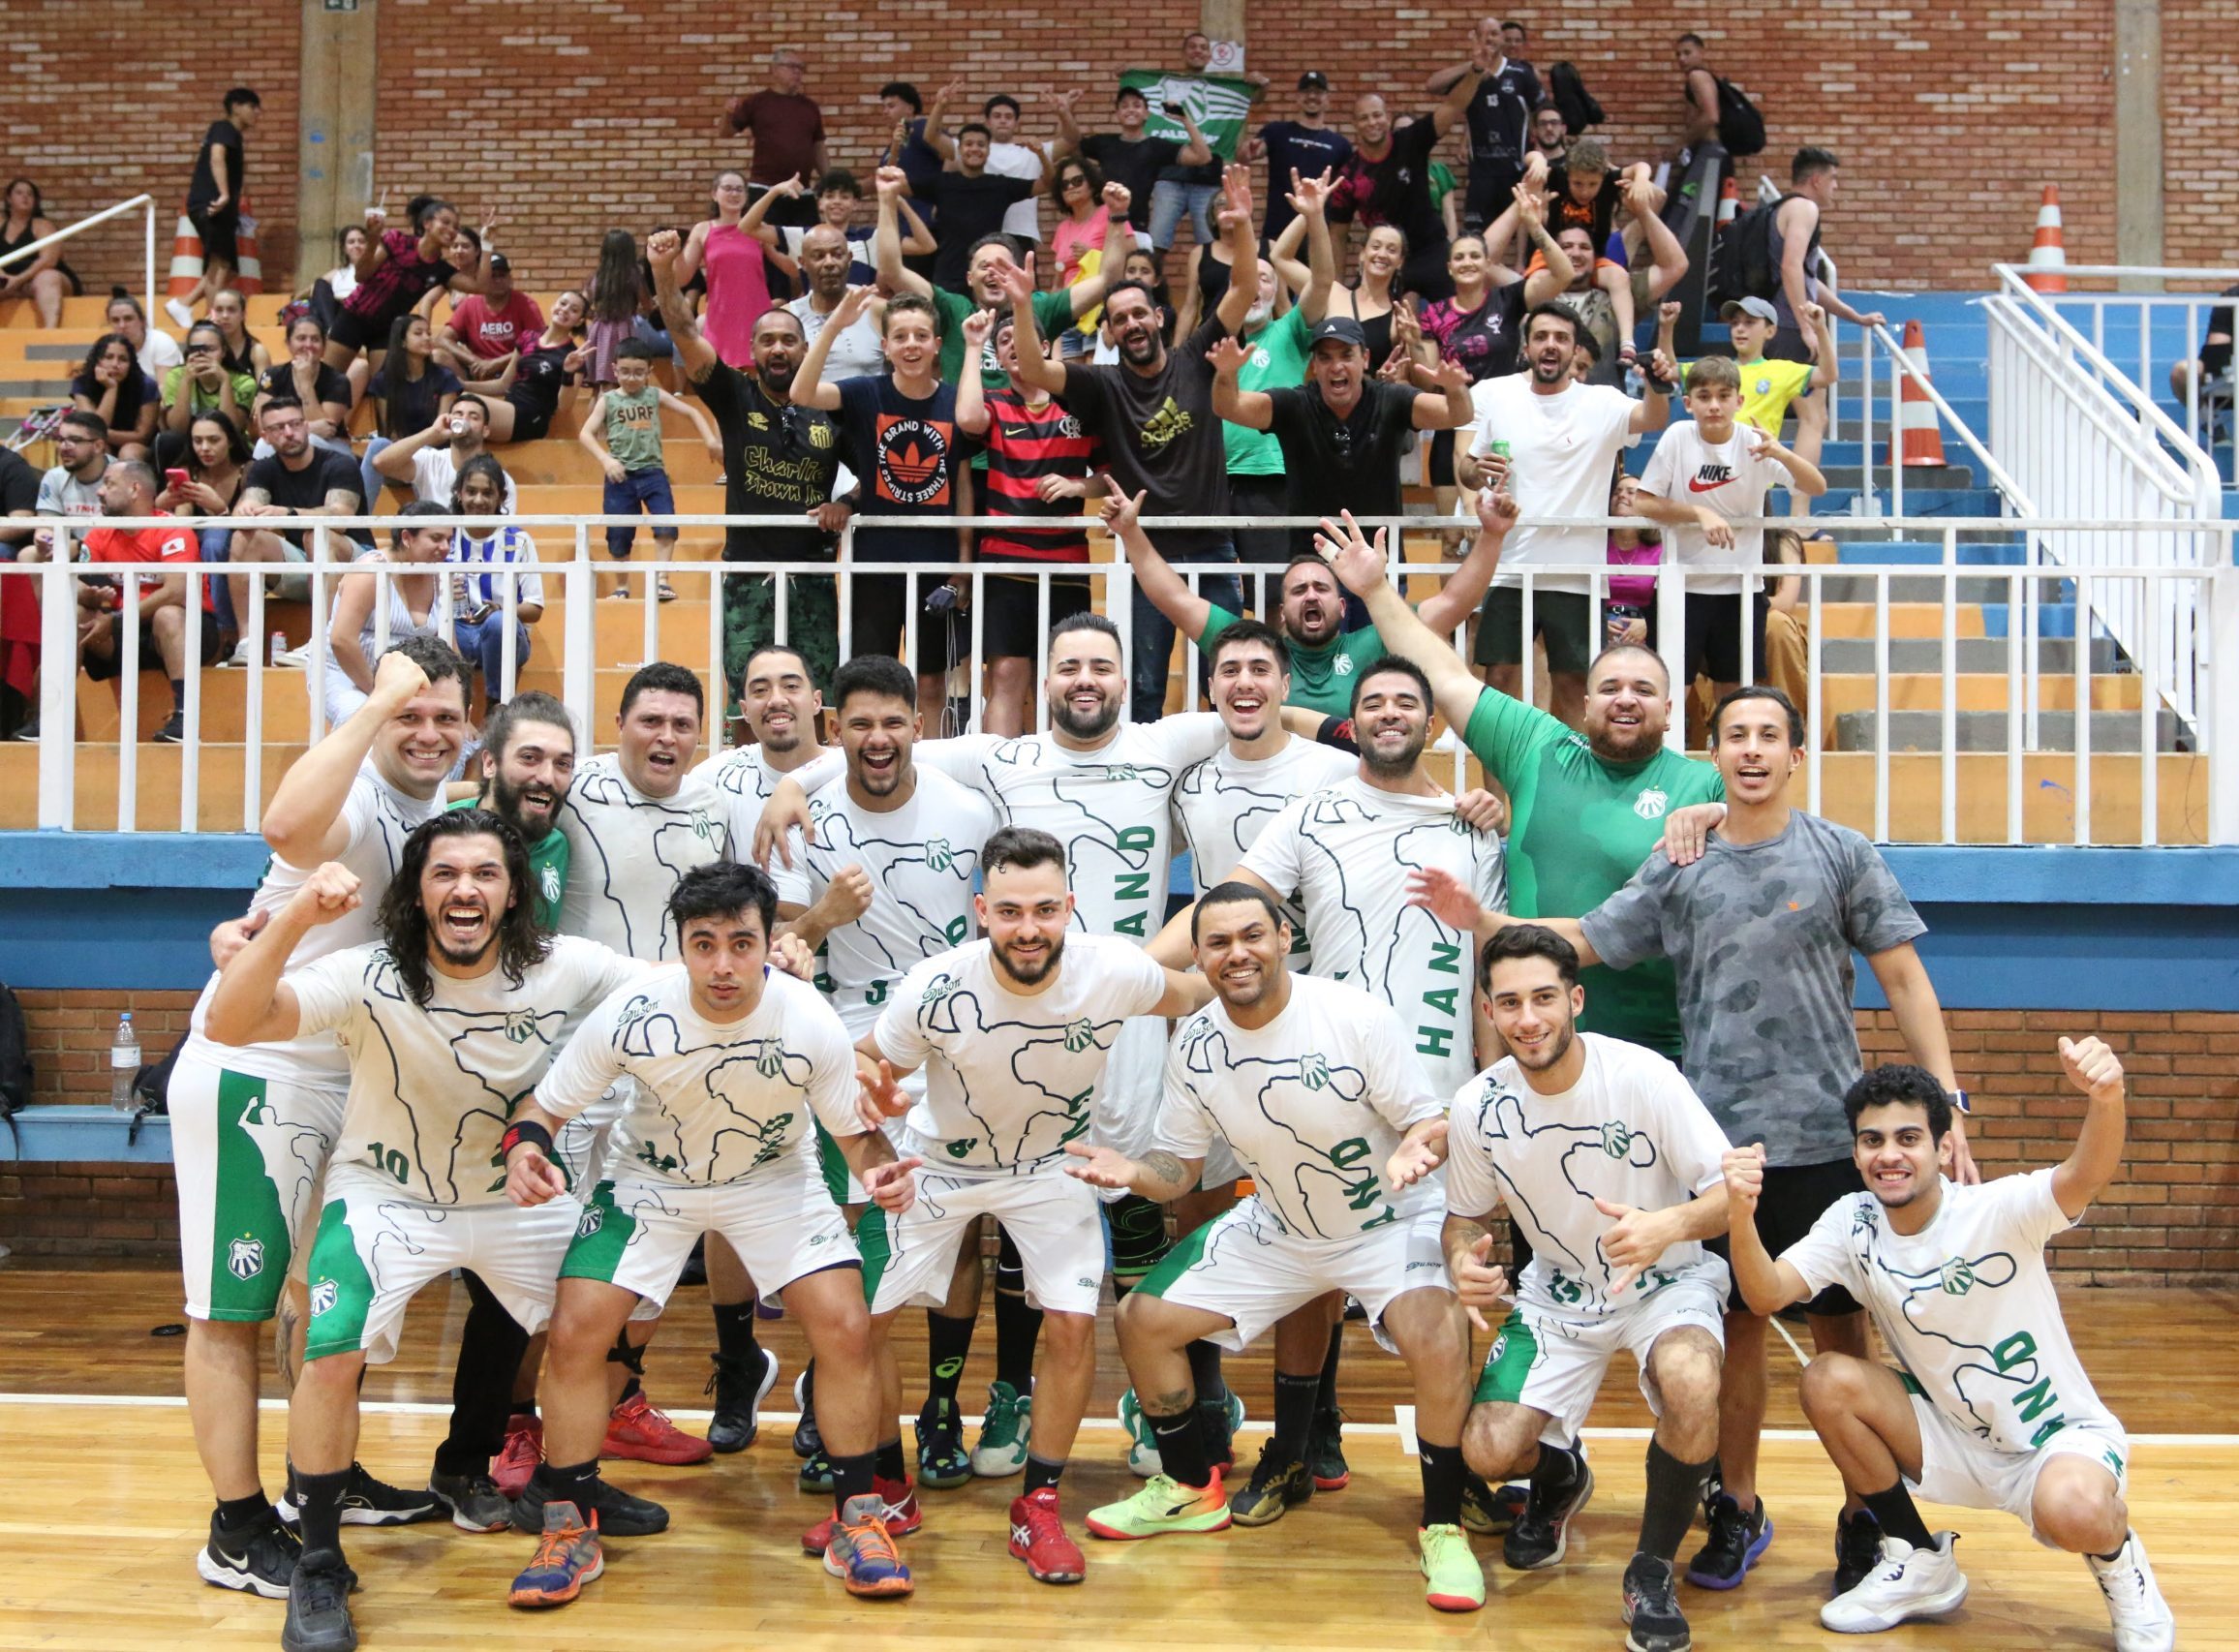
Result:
{"points": [[1166, 1167]]}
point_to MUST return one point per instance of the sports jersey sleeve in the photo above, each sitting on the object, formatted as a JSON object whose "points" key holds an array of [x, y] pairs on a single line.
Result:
{"points": [[964, 760], [1876, 913], [2027, 1209], [1275, 856], [1137, 983], [832, 1078], [1629, 925], [900, 1032], [1184, 1128], [1189, 737], [1472, 1189], [1489, 881], [793, 883], [1823, 1256], [1506, 734], [329, 992], [588, 1063], [1694, 1145], [1400, 1094]]}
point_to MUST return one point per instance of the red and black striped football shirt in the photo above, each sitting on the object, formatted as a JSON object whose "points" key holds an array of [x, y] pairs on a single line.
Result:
{"points": [[1023, 444]]}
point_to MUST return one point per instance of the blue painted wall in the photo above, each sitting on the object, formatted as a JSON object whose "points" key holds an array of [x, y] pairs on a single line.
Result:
{"points": [[2008, 928]]}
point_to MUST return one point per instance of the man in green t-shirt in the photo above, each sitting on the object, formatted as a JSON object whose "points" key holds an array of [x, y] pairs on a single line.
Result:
{"points": [[1325, 656], [1584, 808], [527, 760]]}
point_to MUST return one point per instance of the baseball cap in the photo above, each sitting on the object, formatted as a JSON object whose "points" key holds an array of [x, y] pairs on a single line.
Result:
{"points": [[1313, 80], [1344, 328], [501, 265], [1758, 307]]}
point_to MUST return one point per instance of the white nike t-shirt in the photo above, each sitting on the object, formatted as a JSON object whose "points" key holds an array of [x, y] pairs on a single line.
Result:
{"points": [[1731, 477], [714, 1102], [1313, 1103], [626, 850], [1631, 1131], [431, 1089], [1225, 802], [1347, 852]]}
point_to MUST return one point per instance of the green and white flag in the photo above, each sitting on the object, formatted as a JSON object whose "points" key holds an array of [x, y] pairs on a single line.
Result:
{"points": [[1219, 103]]}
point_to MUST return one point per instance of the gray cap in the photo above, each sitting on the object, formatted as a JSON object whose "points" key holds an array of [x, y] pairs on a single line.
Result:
{"points": [[1760, 308]]}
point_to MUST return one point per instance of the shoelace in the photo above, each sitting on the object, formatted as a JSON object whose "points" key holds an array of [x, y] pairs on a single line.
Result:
{"points": [[871, 1540], [551, 1544]]}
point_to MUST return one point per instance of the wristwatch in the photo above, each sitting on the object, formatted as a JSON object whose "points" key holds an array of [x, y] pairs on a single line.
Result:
{"points": [[1959, 1100]]}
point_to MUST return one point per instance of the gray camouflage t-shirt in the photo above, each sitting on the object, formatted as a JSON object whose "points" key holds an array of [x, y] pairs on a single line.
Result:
{"points": [[1762, 936]]}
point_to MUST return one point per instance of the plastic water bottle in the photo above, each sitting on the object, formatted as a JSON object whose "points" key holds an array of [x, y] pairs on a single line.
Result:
{"points": [[124, 1062]]}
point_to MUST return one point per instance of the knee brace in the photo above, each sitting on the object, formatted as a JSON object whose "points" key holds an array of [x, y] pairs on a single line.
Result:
{"points": [[623, 1353], [1139, 1241]]}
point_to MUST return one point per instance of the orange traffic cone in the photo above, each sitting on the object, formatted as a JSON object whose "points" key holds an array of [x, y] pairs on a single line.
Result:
{"points": [[1728, 205], [1919, 437], [186, 271], [2047, 258]]}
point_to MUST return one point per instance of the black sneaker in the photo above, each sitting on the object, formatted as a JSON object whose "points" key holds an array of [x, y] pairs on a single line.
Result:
{"points": [[942, 1462], [1326, 1451], [1857, 1548], [173, 731], [476, 1503], [739, 1387], [806, 1441], [1542, 1532], [369, 1501], [619, 1514], [257, 1559], [1218, 1420], [1486, 1511], [1737, 1541], [1653, 1621], [1277, 1483], [319, 1606], [817, 1473]]}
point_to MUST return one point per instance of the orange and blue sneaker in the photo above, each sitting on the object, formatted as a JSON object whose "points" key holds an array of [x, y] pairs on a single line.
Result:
{"points": [[639, 1429], [899, 1513], [567, 1557], [861, 1553], [1163, 1505]]}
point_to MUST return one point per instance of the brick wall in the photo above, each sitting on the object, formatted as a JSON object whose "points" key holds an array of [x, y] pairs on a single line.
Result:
{"points": [[2173, 1218], [562, 122]]}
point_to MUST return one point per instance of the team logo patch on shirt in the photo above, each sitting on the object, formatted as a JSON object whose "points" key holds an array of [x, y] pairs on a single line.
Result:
{"points": [[1616, 1139], [1342, 666], [593, 1218], [1764, 387], [771, 1061], [323, 1295], [245, 1258], [520, 1027], [1078, 1035], [1651, 804], [1314, 1071], [1957, 1277], [938, 856], [548, 883]]}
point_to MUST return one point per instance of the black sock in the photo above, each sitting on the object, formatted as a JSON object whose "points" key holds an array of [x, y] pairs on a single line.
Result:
{"points": [[890, 1464], [1327, 1399], [1182, 1454], [319, 1503], [525, 1408], [630, 1390], [1018, 1322], [1295, 1399], [2110, 1559], [239, 1513], [1674, 1492], [735, 1332], [179, 695], [1442, 1474], [1041, 1472], [1557, 1468], [1894, 1510], [1205, 1373], [851, 1477], [491, 1345], [573, 1483], [947, 1342]]}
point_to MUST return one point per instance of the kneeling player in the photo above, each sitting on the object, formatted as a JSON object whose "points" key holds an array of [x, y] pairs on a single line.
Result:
{"points": [[1991, 1408], [1315, 1084], [732, 1060], [1612, 1168]]}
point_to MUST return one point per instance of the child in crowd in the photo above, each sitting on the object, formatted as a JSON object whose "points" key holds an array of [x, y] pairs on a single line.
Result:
{"points": [[623, 432]]}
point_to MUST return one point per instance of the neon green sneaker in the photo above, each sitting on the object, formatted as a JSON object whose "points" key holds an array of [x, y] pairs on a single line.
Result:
{"points": [[1452, 1580], [1001, 1450], [1163, 1507]]}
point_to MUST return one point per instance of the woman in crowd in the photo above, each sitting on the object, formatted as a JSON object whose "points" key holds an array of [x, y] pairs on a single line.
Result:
{"points": [[202, 385], [158, 353], [1370, 297], [416, 604], [412, 391], [399, 268], [730, 245], [42, 278], [245, 352], [525, 398], [1078, 243], [208, 483], [111, 384], [487, 555], [328, 293], [305, 376]]}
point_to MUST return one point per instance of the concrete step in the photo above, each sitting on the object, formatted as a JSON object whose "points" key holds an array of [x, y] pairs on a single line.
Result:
{"points": [[1856, 654], [2112, 731], [1852, 474], [1909, 588]]}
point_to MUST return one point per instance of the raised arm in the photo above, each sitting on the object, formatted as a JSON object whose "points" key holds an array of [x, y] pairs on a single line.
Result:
{"points": [[809, 389], [1310, 198], [886, 242], [1766, 1283], [1558, 272], [936, 139], [394, 463], [1236, 225], [1035, 367], [1118, 239], [1668, 255], [1254, 409], [1919, 1015], [697, 354], [971, 405], [250, 1003], [1456, 103], [1654, 411], [2097, 1154], [1450, 408], [1360, 567], [303, 823], [1465, 588], [750, 221], [1169, 593]]}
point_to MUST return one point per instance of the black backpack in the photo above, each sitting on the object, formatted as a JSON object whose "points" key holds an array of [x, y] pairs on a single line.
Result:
{"points": [[1570, 95], [14, 1053], [1742, 262], [1741, 128]]}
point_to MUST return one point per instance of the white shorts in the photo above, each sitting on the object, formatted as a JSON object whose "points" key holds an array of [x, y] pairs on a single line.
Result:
{"points": [[374, 1249], [1958, 1468], [246, 1153], [584, 1145], [636, 1232], [1247, 1267], [1552, 1362], [1052, 1219]]}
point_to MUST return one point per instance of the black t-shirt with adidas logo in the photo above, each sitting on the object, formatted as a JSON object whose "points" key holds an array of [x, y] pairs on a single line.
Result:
{"points": [[907, 454]]}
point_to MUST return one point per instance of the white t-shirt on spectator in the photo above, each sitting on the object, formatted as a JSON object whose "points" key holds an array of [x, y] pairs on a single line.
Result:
{"points": [[435, 474], [1562, 453], [1019, 160], [1731, 477], [854, 353], [160, 354]]}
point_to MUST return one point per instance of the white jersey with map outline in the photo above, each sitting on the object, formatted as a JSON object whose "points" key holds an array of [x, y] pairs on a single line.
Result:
{"points": [[714, 1102], [746, 778], [1011, 1078], [1632, 1130], [1224, 802], [1313, 1103], [431, 1089], [1346, 851], [625, 851], [380, 819], [1966, 1304], [922, 859]]}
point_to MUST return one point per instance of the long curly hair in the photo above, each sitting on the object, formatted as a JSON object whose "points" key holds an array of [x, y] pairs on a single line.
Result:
{"points": [[404, 920]]}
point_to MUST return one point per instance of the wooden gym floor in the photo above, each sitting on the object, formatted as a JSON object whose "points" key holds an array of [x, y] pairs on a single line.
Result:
{"points": [[106, 1504]]}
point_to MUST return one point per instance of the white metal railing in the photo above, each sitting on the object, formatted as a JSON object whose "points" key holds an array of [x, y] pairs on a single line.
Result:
{"points": [[2148, 332], [2090, 445], [2028, 735], [149, 201]]}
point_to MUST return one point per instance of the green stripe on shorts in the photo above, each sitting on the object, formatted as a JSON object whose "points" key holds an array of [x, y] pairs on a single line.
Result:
{"points": [[341, 1289], [832, 1162], [876, 1246], [249, 1244], [1177, 1262], [1514, 1351], [602, 1234]]}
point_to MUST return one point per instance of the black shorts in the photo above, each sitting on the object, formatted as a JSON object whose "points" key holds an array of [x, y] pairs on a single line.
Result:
{"points": [[1787, 344], [355, 331], [1565, 619], [874, 621], [102, 668], [1795, 1197], [1714, 637], [218, 232], [1442, 459], [530, 423], [1010, 617]]}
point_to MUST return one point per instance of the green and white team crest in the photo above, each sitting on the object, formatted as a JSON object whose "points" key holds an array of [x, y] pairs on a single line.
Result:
{"points": [[1342, 666], [939, 856], [1616, 1139], [593, 1219], [324, 1293], [548, 883], [1651, 804], [1314, 1071], [1126, 772], [1957, 1277], [245, 1257], [520, 1027], [772, 1061], [1078, 1035]]}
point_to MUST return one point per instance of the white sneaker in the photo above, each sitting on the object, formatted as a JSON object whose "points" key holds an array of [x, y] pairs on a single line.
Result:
{"points": [[2142, 1620], [296, 659], [1909, 1582], [244, 652], [1142, 1444], [179, 314]]}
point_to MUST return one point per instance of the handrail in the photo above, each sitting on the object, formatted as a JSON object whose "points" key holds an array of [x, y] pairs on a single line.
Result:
{"points": [[1904, 364], [102, 217]]}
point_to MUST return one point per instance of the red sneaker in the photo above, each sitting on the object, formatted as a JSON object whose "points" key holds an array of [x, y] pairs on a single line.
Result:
{"points": [[639, 1429], [903, 1515], [1039, 1538], [524, 1449]]}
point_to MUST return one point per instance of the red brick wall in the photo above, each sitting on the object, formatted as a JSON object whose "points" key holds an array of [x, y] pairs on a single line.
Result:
{"points": [[1947, 119], [2172, 1218]]}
